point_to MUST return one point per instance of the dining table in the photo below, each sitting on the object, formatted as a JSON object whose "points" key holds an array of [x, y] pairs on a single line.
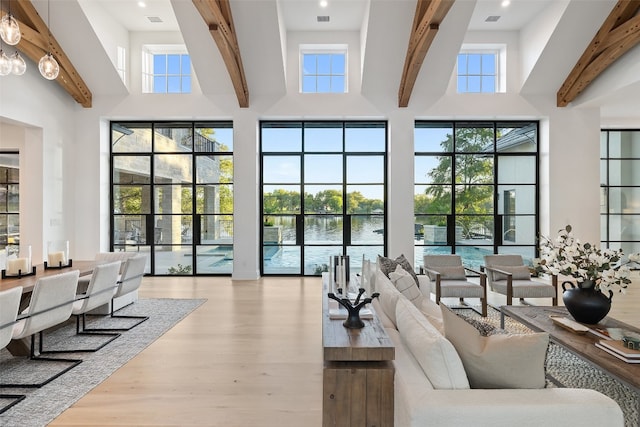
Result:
{"points": [[28, 282]]}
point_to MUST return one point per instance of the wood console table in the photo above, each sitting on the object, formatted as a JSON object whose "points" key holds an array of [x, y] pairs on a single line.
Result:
{"points": [[358, 372]]}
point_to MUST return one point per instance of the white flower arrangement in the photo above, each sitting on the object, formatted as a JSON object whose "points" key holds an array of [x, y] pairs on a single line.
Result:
{"points": [[585, 262]]}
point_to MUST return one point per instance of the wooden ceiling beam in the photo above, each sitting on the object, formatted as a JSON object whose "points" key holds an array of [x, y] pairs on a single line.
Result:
{"points": [[618, 34], [217, 16], [36, 41], [426, 22]]}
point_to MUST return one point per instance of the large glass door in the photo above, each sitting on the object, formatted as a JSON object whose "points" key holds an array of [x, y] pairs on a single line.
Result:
{"points": [[9, 204], [322, 194], [475, 189], [172, 195]]}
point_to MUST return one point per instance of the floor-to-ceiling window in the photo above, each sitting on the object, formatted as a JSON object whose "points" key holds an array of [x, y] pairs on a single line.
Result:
{"points": [[172, 194], [9, 203], [476, 190], [322, 194], [620, 189]]}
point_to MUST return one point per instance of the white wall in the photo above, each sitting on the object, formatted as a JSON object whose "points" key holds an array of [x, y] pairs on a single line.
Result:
{"points": [[38, 119], [66, 150]]}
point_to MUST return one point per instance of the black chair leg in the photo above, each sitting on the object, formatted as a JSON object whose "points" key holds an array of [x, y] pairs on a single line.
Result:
{"points": [[116, 316], [73, 363], [81, 331], [15, 399]]}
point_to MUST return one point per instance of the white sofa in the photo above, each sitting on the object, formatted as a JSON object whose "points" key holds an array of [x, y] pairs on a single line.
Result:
{"points": [[419, 403]]}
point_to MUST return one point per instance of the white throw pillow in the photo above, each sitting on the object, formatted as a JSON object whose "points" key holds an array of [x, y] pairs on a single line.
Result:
{"points": [[437, 356], [518, 272], [498, 360], [388, 296], [431, 311], [403, 282]]}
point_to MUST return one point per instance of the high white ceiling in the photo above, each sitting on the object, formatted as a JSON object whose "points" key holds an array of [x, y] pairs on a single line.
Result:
{"points": [[142, 15], [301, 15], [550, 36]]}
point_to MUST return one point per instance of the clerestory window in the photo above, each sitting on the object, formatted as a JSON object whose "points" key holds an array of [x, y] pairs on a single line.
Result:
{"points": [[481, 69], [323, 69], [166, 69]]}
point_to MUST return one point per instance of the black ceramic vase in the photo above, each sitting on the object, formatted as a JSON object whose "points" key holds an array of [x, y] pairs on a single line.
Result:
{"points": [[586, 304]]}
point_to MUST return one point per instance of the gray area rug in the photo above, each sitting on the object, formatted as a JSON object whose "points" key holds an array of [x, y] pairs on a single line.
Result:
{"points": [[564, 369], [44, 404]]}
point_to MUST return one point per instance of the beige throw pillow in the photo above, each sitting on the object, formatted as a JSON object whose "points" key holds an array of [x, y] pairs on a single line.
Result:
{"points": [[518, 272], [436, 356], [403, 282], [498, 360]]}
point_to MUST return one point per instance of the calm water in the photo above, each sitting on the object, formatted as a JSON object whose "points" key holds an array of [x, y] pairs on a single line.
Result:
{"points": [[325, 234]]}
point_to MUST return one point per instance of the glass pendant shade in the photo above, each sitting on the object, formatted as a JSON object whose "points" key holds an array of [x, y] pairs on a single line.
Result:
{"points": [[49, 67], [5, 64], [9, 30], [18, 66]]}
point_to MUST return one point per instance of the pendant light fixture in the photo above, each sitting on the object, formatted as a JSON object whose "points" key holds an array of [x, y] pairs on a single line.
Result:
{"points": [[18, 66], [9, 29], [48, 65], [5, 64]]}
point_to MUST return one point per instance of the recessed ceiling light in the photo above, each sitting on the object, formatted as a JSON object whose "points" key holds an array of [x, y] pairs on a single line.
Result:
{"points": [[324, 3], [142, 4], [506, 3]]}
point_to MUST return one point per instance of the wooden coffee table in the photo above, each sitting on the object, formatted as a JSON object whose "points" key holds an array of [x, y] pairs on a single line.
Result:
{"points": [[538, 319]]}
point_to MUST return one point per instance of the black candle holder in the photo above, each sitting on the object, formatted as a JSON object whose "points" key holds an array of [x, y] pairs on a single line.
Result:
{"points": [[20, 274], [59, 266], [353, 309]]}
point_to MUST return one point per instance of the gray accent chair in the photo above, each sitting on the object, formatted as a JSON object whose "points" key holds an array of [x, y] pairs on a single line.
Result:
{"points": [[508, 275], [50, 305], [448, 279], [9, 305]]}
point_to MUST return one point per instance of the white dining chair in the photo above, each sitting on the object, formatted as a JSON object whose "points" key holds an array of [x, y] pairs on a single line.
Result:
{"points": [[51, 304], [100, 289], [9, 306], [130, 281]]}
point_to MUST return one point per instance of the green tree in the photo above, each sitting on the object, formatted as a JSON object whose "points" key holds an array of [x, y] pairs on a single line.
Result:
{"points": [[326, 201], [472, 170], [281, 202], [128, 200]]}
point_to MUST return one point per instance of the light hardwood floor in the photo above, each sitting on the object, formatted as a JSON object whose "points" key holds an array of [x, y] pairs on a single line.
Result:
{"points": [[250, 356]]}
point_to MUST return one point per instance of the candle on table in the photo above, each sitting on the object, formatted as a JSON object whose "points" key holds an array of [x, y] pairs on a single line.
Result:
{"points": [[17, 266], [345, 285], [331, 289], [56, 259]]}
